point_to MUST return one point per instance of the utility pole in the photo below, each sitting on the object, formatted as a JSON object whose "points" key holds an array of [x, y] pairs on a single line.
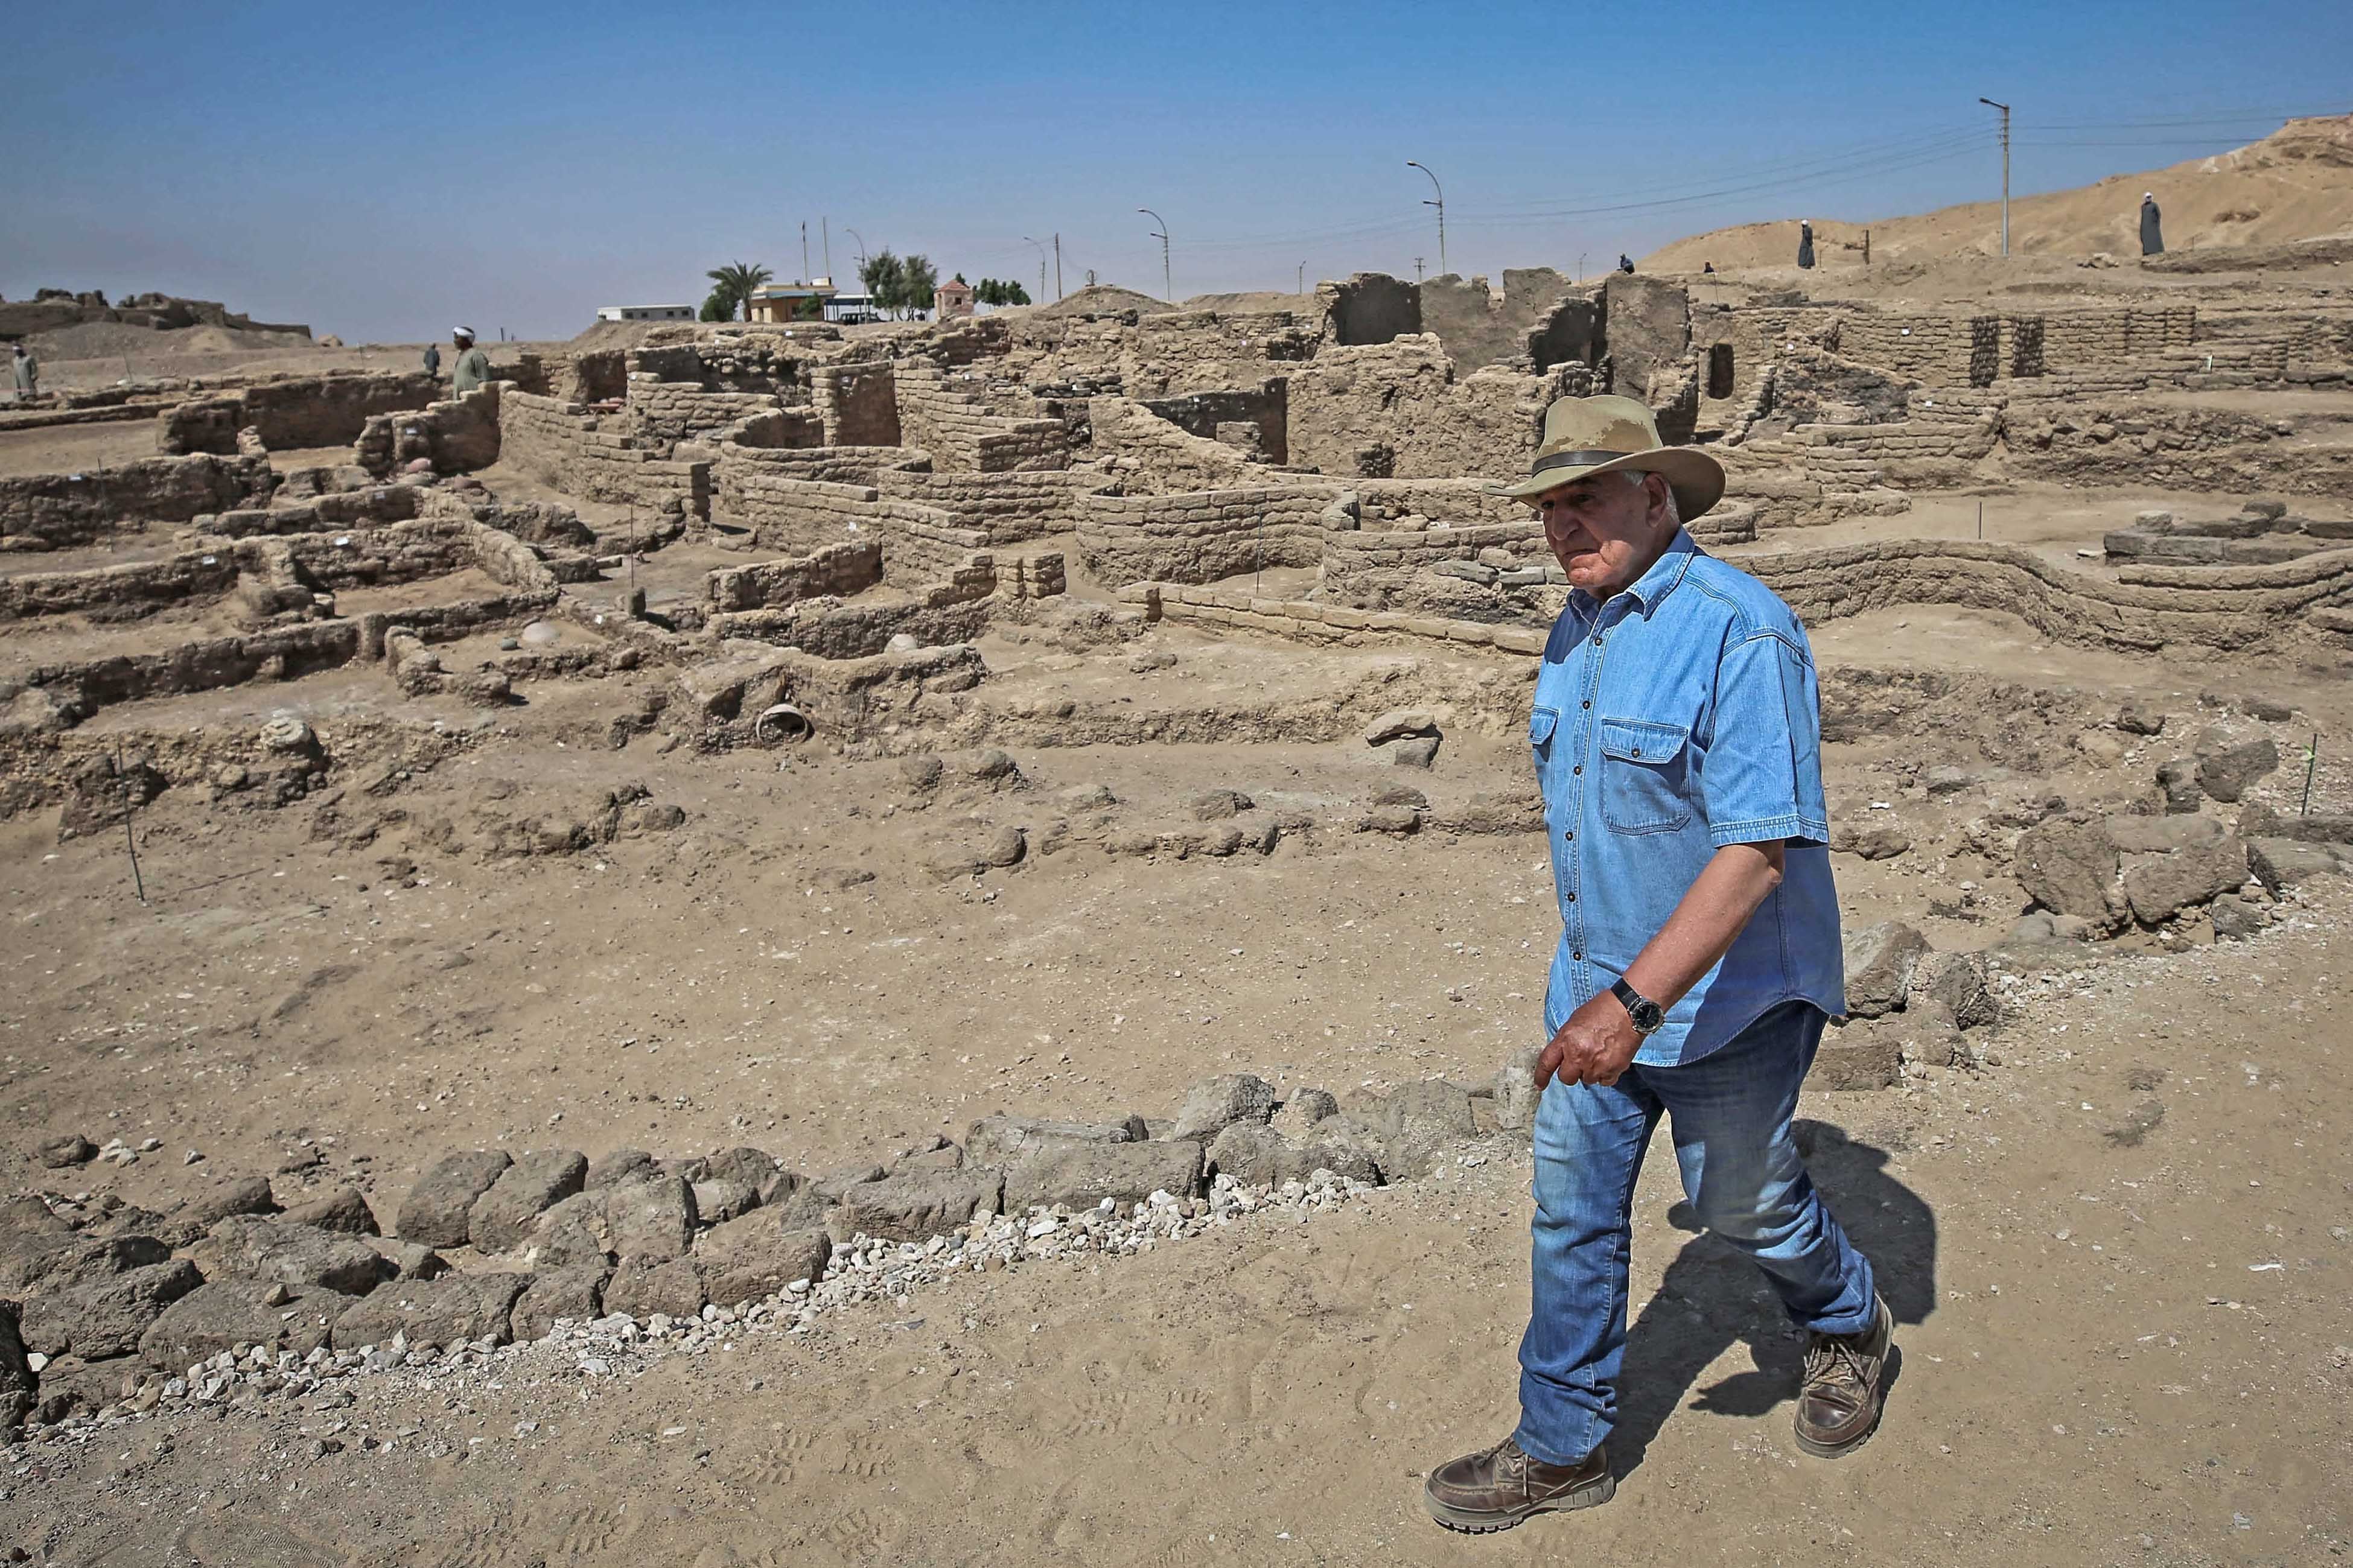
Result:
{"points": [[1058, 264], [1989, 104], [826, 229], [1303, 277], [1440, 204], [804, 271], [1041, 266], [1167, 292], [1417, 269], [1580, 267]]}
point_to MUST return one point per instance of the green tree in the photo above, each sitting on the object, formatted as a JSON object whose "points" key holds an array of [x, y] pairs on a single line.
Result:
{"points": [[1010, 292], [922, 279], [885, 278], [718, 307], [736, 283]]}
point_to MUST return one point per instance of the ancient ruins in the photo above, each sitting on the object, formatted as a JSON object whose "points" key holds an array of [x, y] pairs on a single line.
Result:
{"points": [[1078, 605]]}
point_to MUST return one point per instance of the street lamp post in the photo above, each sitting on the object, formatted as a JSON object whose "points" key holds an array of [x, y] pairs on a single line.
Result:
{"points": [[1440, 204], [1041, 267], [1167, 292], [1989, 104]]}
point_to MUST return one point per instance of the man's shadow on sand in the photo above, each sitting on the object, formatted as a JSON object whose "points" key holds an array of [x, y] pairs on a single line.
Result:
{"points": [[1713, 1296]]}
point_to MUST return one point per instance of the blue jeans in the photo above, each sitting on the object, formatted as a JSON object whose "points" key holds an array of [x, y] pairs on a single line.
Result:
{"points": [[1741, 1169]]}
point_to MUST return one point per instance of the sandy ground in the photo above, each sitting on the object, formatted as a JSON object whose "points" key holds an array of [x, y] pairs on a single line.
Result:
{"points": [[2102, 1362]]}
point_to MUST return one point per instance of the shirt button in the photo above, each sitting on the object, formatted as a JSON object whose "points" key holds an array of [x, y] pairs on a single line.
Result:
{"points": [[1585, 705], [1578, 769], [1578, 956], [1572, 898], [1570, 833], [1638, 750], [1597, 639]]}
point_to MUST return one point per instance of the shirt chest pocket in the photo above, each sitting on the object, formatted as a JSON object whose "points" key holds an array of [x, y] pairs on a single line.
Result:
{"points": [[1645, 775]]}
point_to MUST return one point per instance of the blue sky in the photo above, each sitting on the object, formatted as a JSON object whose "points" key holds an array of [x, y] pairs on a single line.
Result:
{"points": [[382, 172]]}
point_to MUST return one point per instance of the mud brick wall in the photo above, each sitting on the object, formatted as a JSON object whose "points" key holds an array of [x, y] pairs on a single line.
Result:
{"points": [[402, 553], [595, 377], [678, 411], [57, 512], [1147, 449], [377, 504], [292, 413], [1397, 410], [1008, 508], [1305, 620], [1201, 536], [1265, 409], [800, 517], [457, 436], [858, 402], [566, 446], [280, 654], [839, 570], [1178, 353], [834, 465], [122, 593], [953, 421], [2126, 442]]}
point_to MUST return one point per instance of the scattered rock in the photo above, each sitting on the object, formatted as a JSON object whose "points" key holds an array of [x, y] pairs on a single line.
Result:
{"points": [[1515, 1092], [224, 1314], [55, 1260], [652, 1219], [2138, 716], [2177, 781], [1877, 841], [610, 1170], [1395, 820], [1217, 804], [1956, 981], [2236, 920], [436, 1209], [223, 1197], [344, 1209], [2227, 766], [409, 1259], [1880, 960], [17, 1387], [1418, 752], [2284, 862], [1859, 1056], [1398, 723], [2068, 867], [65, 1150], [1217, 1102]]}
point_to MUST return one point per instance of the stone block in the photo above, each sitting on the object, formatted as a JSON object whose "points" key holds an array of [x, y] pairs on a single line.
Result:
{"points": [[2227, 766], [223, 1314], [436, 1209], [1219, 1101], [1856, 1058], [1084, 1174], [54, 1260], [104, 1316], [1515, 1092], [1956, 982], [433, 1311], [294, 1255], [2068, 867], [917, 1204], [2284, 862], [1418, 1121], [755, 1258], [2158, 887], [1001, 1140], [640, 1288], [574, 1295]]}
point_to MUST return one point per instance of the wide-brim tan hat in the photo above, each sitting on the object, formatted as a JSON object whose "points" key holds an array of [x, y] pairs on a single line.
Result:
{"points": [[1587, 436]]}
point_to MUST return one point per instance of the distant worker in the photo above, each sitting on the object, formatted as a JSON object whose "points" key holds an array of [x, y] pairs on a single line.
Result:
{"points": [[1625, 262], [2152, 233], [1805, 243], [473, 367], [433, 360], [1707, 267], [28, 373]]}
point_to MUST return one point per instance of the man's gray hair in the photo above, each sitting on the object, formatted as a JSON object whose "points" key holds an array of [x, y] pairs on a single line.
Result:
{"points": [[1674, 512]]}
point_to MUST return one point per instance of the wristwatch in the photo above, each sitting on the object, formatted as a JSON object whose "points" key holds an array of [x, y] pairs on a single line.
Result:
{"points": [[1645, 1014]]}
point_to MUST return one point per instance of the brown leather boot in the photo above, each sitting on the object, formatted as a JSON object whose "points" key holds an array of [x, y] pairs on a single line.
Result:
{"points": [[1499, 1487], [1846, 1379]]}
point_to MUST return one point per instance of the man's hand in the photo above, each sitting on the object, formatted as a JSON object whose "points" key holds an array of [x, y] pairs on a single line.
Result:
{"points": [[1596, 1046]]}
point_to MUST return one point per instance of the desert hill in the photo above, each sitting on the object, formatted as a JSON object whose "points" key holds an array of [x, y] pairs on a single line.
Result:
{"points": [[2295, 183]]}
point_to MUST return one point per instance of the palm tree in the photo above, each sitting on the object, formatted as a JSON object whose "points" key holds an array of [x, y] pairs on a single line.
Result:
{"points": [[738, 282]]}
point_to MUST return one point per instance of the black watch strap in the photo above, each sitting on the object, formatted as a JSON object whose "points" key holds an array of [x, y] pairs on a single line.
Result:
{"points": [[1647, 1014]]}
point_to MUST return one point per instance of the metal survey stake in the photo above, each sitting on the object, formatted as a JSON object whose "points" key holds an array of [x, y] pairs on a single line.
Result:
{"points": [[2311, 766], [130, 838]]}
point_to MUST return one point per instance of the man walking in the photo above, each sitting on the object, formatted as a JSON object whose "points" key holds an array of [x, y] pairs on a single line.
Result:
{"points": [[433, 362], [27, 373], [473, 367], [1676, 733], [2152, 226]]}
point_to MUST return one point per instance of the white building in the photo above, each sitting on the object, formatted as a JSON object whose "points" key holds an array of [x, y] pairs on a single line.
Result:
{"points": [[645, 312]]}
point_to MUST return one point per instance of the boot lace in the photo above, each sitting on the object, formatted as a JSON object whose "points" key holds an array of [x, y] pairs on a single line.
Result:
{"points": [[1834, 1368]]}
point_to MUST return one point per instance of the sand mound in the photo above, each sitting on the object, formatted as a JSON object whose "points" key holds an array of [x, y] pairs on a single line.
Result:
{"points": [[1101, 299], [613, 335], [109, 340], [1256, 302], [2296, 184]]}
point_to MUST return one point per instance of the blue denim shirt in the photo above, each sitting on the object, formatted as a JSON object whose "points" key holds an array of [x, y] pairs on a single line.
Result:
{"points": [[1682, 716]]}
